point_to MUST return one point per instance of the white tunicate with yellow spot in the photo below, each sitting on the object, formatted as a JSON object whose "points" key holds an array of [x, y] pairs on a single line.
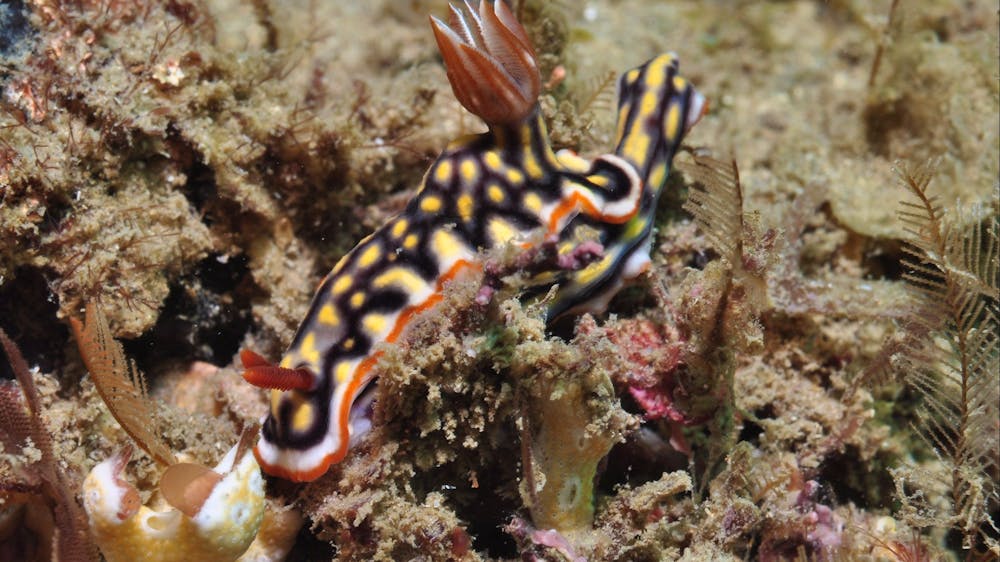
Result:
{"points": [[221, 529]]}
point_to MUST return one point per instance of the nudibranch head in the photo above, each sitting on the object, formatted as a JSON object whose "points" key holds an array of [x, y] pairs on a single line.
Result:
{"points": [[214, 514], [490, 62]]}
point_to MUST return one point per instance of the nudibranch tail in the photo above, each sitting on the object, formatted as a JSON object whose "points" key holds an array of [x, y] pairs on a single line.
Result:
{"points": [[490, 62]]}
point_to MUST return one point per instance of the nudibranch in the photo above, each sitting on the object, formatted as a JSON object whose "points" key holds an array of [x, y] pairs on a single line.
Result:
{"points": [[213, 514], [505, 186]]}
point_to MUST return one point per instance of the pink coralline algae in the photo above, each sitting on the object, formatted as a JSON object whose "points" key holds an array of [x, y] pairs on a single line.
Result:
{"points": [[652, 357]]}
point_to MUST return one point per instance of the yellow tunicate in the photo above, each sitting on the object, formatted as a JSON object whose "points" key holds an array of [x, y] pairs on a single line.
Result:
{"points": [[222, 529]]}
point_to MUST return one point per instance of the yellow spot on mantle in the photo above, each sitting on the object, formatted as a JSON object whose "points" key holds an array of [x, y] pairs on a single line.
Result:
{"points": [[465, 205], [358, 299], [442, 173], [501, 231], [342, 284], [533, 203], [493, 161], [648, 104], [599, 180], [469, 170], [447, 247], [303, 417], [343, 372], [495, 193], [399, 277], [637, 147], [531, 165], [308, 349], [369, 255], [671, 126], [328, 315], [275, 402], [514, 176], [400, 227], [430, 204], [375, 323]]}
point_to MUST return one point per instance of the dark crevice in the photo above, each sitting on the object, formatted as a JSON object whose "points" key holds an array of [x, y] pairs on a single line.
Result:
{"points": [[643, 457], [15, 28], [852, 479], [204, 318], [28, 314], [882, 259]]}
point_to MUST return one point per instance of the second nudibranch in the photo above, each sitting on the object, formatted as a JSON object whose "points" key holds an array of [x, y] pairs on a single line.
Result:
{"points": [[485, 191]]}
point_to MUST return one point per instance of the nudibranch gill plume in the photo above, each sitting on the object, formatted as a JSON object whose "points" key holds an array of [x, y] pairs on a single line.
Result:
{"points": [[505, 186]]}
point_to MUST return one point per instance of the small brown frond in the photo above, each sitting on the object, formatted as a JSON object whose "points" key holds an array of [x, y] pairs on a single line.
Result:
{"points": [[922, 218], [72, 542], [120, 383], [13, 419], [37, 431], [597, 93], [716, 202], [952, 358]]}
